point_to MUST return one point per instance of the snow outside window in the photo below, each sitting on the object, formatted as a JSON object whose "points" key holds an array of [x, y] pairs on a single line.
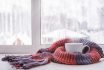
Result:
{"points": [[73, 19], [15, 22]]}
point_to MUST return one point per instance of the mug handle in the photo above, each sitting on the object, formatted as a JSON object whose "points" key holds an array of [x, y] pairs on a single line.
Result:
{"points": [[86, 49]]}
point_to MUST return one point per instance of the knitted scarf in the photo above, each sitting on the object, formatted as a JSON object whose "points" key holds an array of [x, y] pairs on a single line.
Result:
{"points": [[57, 53]]}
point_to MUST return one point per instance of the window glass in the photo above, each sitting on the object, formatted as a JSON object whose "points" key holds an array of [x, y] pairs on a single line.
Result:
{"points": [[15, 22], [73, 19]]}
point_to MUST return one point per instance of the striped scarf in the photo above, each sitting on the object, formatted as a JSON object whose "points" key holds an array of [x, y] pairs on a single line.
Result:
{"points": [[57, 53]]}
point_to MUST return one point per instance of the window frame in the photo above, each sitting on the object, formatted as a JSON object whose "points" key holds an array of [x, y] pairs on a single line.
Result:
{"points": [[36, 34], [47, 45], [35, 27]]}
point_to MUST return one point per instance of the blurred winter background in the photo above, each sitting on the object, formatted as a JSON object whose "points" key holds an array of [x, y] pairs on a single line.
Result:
{"points": [[59, 19], [72, 18], [15, 22]]}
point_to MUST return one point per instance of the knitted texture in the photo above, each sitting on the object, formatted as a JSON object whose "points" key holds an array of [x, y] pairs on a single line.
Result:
{"points": [[61, 56], [57, 53]]}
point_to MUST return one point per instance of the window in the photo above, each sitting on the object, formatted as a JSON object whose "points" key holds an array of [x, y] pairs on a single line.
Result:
{"points": [[15, 22], [19, 26], [72, 18]]}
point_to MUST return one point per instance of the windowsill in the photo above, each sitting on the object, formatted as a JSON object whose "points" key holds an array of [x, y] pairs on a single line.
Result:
{"points": [[56, 66]]}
